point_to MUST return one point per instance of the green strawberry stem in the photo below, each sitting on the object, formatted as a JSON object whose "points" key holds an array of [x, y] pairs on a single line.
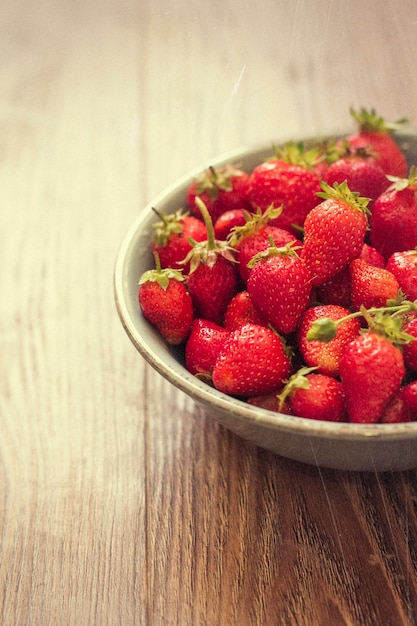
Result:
{"points": [[290, 249], [386, 320], [211, 239], [341, 191], [159, 275], [370, 122], [296, 381]]}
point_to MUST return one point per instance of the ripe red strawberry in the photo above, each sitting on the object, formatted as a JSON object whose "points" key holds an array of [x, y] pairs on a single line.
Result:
{"points": [[410, 349], [212, 280], [334, 232], [279, 286], [222, 189], [253, 361], [166, 303], [314, 396], [372, 256], [336, 290], [394, 217], [371, 370], [287, 180], [376, 134], [325, 356], [229, 220], [240, 311], [255, 236], [409, 393], [270, 401], [203, 346], [371, 286], [403, 266], [171, 237], [399, 409]]}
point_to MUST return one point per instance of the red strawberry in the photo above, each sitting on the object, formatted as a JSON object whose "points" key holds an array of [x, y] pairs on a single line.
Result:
{"points": [[212, 280], [325, 356], [240, 311], [315, 396], [270, 401], [171, 237], [372, 256], [375, 133], [404, 267], [253, 361], [221, 189], [399, 409], [334, 232], [229, 220], [279, 286], [166, 303], [288, 180], [336, 290], [394, 217], [371, 286], [410, 349], [371, 369], [409, 393], [203, 346]]}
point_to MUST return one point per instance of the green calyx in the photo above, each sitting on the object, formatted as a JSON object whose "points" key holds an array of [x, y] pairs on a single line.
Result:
{"points": [[206, 252], [290, 249], [341, 191], [297, 154], [399, 184], [370, 122], [161, 276], [298, 380], [167, 225], [214, 179], [387, 321], [254, 222]]}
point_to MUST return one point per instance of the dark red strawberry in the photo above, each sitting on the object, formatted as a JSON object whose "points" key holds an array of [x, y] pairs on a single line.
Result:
{"points": [[371, 286], [212, 280], [403, 265], [253, 361], [410, 349], [240, 311], [314, 396], [399, 410], [377, 134], [203, 346], [229, 220], [171, 237], [222, 189], [336, 290], [287, 180], [279, 286], [394, 217], [372, 256], [166, 303], [325, 356], [334, 232]]}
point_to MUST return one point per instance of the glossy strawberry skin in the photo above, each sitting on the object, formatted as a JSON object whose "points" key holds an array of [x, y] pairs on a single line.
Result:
{"points": [[334, 234], [410, 349], [241, 311], [172, 243], [252, 362], [394, 222], [292, 186], [363, 175], [203, 346], [403, 265], [323, 399], [326, 356], [212, 288], [280, 287], [387, 153], [371, 286], [227, 221], [170, 310], [371, 370]]}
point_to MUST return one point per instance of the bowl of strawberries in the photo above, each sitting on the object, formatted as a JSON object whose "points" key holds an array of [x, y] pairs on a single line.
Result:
{"points": [[277, 287]]}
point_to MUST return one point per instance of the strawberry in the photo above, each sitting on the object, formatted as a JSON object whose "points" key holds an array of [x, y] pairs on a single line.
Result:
{"points": [[403, 266], [400, 408], [409, 393], [334, 232], [377, 134], [229, 220], [410, 349], [221, 189], [371, 286], [203, 346], [336, 290], [171, 237], [212, 280], [270, 401], [372, 256], [240, 311], [279, 286], [286, 180], [394, 217], [166, 303], [315, 396], [253, 361], [371, 370], [325, 356]]}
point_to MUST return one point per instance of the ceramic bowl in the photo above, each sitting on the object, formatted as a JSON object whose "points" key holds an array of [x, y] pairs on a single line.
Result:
{"points": [[355, 447]]}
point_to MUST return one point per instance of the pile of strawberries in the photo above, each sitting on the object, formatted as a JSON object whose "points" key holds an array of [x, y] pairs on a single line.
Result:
{"points": [[294, 286]]}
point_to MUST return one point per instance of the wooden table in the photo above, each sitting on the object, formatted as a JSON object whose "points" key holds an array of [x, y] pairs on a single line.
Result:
{"points": [[121, 503]]}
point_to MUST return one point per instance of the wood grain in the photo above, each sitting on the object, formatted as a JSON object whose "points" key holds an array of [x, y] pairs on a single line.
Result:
{"points": [[121, 503]]}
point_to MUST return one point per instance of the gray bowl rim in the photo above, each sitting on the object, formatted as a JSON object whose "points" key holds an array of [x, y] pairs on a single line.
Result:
{"points": [[174, 372]]}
